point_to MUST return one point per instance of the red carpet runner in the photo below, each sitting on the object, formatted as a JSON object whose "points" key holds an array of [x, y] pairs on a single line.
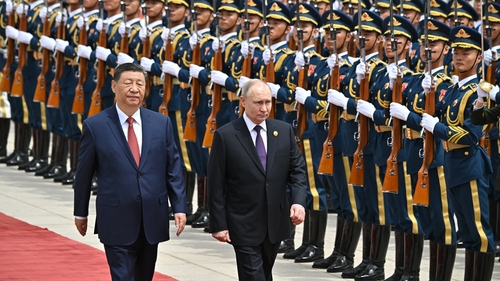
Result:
{"points": [[29, 252]]}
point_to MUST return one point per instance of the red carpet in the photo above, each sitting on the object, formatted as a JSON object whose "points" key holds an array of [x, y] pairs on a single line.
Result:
{"points": [[29, 252]]}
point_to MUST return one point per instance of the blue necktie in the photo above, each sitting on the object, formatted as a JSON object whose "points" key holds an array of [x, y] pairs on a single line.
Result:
{"points": [[259, 145]]}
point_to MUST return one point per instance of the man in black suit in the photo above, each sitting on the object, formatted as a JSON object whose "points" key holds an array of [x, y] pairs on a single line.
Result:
{"points": [[133, 154], [252, 161]]}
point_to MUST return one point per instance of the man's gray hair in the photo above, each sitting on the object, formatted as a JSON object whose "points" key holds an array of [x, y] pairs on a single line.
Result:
{"points": [[128, 67], [246, 90]]}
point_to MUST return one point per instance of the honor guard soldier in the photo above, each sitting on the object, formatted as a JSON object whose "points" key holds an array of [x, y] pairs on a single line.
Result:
{"points": [[382, 7], [131, 28], [436, 217], [412, 11], [350, 7], [399, 34], [5, 114], [369, 193], [468, 188], [202, 39]]}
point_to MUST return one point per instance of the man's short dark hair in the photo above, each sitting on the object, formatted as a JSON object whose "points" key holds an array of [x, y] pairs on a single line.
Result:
{"points": [[128, 67]]}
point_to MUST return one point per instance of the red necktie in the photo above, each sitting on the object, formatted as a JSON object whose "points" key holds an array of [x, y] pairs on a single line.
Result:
{"points": [[132, 141]]}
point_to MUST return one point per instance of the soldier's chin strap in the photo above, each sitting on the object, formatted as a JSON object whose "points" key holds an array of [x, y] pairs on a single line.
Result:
{"points": [[441, 54], [341, 46], [396, 62], [474, 65]]}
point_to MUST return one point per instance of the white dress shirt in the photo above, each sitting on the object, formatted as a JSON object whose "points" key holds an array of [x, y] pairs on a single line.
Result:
{"points": [[251, 125], [137, 125]]}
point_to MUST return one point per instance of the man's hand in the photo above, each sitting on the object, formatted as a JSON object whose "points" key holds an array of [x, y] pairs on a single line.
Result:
{"points": [[81, 226], [180, 222], [297, 214], [222, 236]]}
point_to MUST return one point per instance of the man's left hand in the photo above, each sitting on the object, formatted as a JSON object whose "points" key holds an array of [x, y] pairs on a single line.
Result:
{"points": [[297, 214], [222, 236], [180, 223], [81, 226]]}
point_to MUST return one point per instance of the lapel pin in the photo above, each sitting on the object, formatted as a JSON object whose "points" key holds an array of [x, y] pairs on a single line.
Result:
{"points": [[275, 133]]}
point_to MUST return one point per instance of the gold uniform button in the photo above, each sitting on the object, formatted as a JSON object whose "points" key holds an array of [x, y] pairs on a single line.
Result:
{"points": [[466, 153]]}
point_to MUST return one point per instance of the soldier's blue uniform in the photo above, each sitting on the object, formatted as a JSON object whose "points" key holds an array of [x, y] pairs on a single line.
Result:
{"points": [[414, 56], [155, 97]]}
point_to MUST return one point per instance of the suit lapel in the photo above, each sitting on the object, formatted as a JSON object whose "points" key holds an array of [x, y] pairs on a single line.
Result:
{"points": [[146, 136], [116, 128], [272, 143], [244, 137]]}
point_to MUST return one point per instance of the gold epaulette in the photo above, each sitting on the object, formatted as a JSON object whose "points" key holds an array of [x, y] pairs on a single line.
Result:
{"points": [[376, 61]]}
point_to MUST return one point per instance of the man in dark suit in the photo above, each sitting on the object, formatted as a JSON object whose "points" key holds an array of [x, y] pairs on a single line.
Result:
{"points": [[252, 161], [133, 154]]}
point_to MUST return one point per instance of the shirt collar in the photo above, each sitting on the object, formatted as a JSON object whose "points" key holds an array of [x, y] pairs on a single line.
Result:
{"points": [[227, 36], [177, 28], [277, 45], [132, 21], [466, 80], [53, 7], [437, 69], [251, 125], [87, 14], [113, 18], [34, 4], [73, 13], [368, 57], [154, 24], [123, 117], [203, 31]]}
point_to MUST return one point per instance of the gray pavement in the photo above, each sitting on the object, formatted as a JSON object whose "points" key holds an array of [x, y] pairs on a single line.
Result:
{"points": [[194, 255]]}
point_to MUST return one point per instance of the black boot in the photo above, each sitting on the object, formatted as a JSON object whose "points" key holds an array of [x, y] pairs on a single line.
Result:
{"points": [[350, 238], [316, 237], [201, 182], [380, 242], [400, 256], [35, 133], [59, 167], [204, 219], [469, 264], [17, 131], [325, 263], [41, 159], [432, 260], [367, 234], [445, 261], [71, 147], [23, 145], [73, 157], [305, 240], [414, 246], [53, 157], [4, 135], [483, 266], [190, 180]]}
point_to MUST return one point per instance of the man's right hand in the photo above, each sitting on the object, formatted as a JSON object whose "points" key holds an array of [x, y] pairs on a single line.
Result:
{"points": [[81, 226], [222, 236]]}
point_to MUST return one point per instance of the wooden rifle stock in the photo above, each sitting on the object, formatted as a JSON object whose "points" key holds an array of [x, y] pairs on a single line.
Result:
{"points": [[421, 195], [301, 110], [55, 89], [351, 47], [78, 102], [381, 51], [247, 72], [167, 80], [17, 86], [358, 165], [146, 53], [326, 163], [96, 103], [216, 103], [292, 44], [11, 53], [41, 86], [391, 184], [190, 128], [271, 79]]}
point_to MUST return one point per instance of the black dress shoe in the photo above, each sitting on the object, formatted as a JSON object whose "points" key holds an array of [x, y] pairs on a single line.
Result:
{"points": [[36, 165], [295, 253], [325, 263], [342, 263], [286, 246], [206, 229], [10, 156], [94, 187], [396, 276], [44, 169], [202, 221], [311, 254], [56, 170], [352, 272], [27, 164], [371, 273], [17, 160], [70, 178], [194, 217], [497, 248]]}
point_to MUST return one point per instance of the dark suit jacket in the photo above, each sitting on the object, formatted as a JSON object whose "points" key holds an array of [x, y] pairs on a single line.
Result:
{"points": [[243, 198], [129, 195], [485, 116]]}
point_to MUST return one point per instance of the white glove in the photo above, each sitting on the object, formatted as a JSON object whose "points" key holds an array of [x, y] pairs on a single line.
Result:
{"points": [[299, 59], [24, 37], [147, 63], [216, 43], [494, 92], [274, 89], [61, 45], [488, 57], [399, 111], [22, 9], [102, 53], [219, 77], [429, 122], [165, 35], [84, 51], [243, 81], [392, 71], [301, 95], [43, 13], [246, 47], [360, 72], [365, 108], [194, 70], [143, 34], [266, 55], [426, 83], [124, 58], [61, 17], [331, 61], [47, 43], [122, 29], [320, 33], [455, 78], [101, 24], [193, 41], [8, 7], [171, 68], [81, 22], [337, 98], [11, 32]]}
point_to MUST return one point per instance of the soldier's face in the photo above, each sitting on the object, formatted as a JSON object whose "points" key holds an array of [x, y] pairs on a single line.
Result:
{"points": [[132, 7], [129, 90], [203, 16], [403, 44], [462, 21], [178, 12], [411, 15], [465, 60], [322, 7], [341, 39], [111, 5], [154, 8], [372, 39], [495, 30], [229, 20], [438, 48], [89, 3], [255, 22], [350, 10], [277, 29], [258, 103], [384, 12], [308, 29]]}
